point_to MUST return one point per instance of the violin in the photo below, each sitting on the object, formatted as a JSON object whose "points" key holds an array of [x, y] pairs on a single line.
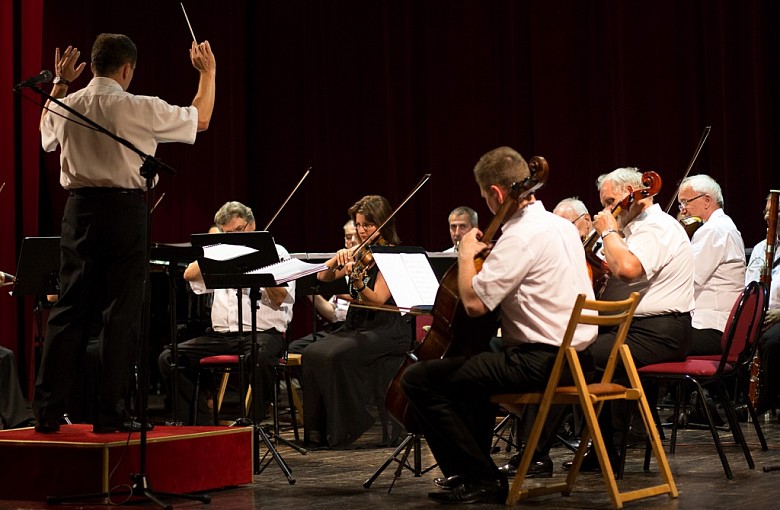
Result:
{"points": [[597, 266], [363, 257], [691, 224]]}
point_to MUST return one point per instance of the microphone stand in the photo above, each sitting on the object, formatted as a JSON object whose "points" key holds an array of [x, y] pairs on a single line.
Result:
{"points": [[149, 170]]}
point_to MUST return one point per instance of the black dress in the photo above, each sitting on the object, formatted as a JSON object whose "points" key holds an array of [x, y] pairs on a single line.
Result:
{"points": [[349, 370]]}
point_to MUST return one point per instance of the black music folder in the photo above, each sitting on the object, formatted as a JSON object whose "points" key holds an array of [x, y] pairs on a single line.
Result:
{"points": [[227, 258], [38, 270]]}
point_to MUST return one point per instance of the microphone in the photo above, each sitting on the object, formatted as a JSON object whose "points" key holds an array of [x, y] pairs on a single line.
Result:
{"points": [[44, 77]]}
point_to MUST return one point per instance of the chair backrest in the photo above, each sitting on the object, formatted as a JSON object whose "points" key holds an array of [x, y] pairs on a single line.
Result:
{"points": [[743, 328], [597, 313]]}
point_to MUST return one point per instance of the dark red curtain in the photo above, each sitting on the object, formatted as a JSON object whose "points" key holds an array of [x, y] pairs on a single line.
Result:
{"points": [[20, 50], [372, 95]]}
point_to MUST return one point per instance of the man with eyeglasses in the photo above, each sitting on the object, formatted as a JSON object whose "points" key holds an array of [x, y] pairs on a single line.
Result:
{"points": [[718, 258], [647, 251], [574, 210], [273, 315], [462, 219]]}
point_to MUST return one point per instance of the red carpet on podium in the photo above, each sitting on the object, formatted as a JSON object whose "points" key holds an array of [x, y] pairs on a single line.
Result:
{"points": [[76, 461]]}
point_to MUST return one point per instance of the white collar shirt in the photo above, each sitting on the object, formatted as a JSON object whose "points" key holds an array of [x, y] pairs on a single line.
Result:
{"points": [[535, 272], [92, 159], [719, 270], [664, 250], [756, 265], [224, 309]]}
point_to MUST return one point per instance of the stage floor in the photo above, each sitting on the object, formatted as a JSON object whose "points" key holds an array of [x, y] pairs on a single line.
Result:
{"points": [[333, 479]]}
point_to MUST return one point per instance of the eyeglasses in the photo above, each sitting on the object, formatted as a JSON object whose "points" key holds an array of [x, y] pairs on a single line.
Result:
{"points": [[239, 228], [578, 218], [364, 226], [684, 203], [461, 227]]}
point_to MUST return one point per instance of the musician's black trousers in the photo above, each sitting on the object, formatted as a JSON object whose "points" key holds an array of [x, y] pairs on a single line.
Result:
{"points": [[770, 365], [451, 401], [655, 339], [102, 266]]}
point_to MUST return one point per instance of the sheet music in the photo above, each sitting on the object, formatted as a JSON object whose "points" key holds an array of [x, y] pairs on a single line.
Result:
{"points": [[289, 269], [409, 277], [224, 252]]}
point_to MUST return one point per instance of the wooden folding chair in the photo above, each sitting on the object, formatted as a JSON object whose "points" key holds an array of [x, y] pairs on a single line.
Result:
{"points": [[591, 398]]}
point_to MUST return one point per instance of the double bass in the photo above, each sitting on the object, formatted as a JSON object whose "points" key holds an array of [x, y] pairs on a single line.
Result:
{"points": [[453, 332], [599, 270]]}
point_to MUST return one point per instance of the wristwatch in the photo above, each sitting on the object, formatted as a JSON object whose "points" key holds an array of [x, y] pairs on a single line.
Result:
{"points": [[607, 232], [59, 79]]}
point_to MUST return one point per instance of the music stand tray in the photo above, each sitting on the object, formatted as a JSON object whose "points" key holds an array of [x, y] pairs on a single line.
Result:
{"points": [[37, 272]]}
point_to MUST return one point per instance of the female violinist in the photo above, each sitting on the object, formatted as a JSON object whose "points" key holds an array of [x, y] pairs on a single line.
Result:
{"points": [[352, 366]]}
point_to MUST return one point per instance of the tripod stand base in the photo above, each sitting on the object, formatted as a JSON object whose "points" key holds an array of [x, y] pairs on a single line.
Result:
{"points": [[140, 489], [261, 463], [411, 441]]}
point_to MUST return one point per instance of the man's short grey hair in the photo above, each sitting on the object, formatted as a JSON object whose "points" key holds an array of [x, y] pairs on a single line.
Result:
{"points": [[704, 184], [573, 203], [233, 210], [472, 214], [621, 178]]}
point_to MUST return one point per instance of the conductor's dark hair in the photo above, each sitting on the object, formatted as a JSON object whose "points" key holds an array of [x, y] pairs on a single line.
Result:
{"points": [[112, 51]]}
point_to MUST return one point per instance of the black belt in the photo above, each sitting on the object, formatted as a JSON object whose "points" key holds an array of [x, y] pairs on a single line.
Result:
{"points": [[674, 315], [94, 192]]}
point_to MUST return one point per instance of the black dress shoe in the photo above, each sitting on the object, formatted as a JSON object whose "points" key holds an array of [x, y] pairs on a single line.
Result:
{"points": [[125, 426], [486, 491], [590, 462], [450, 482], [539, 468], [47, 427]]}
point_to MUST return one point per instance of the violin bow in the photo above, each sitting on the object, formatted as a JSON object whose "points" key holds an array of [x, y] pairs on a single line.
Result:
{"points": [[306, 174], [703, 139], [376, 232]]}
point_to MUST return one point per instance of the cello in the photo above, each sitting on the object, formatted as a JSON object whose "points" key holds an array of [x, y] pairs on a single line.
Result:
{"points": [[598, 266], [453, 332]]}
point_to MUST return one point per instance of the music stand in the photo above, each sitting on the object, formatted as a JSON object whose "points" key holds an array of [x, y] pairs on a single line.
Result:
{"points": [[171, 254], [37, 274], [231, 273]]}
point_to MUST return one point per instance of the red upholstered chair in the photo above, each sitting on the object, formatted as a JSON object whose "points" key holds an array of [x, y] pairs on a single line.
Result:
{"points": [[223, 364], [740, 338]]}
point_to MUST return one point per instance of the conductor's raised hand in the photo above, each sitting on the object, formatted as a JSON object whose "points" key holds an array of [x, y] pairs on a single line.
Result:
{"points": [[65, 64], [202, 57]]}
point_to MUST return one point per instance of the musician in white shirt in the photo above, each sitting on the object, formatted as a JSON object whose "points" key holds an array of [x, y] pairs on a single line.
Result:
{"points": [[273, 315], [718, 258], [770, 339]]}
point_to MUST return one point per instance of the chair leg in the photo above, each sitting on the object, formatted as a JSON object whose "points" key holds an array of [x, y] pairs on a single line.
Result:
{"points": [[714, 432], [291, 401], [757, 425], [736, 429]]}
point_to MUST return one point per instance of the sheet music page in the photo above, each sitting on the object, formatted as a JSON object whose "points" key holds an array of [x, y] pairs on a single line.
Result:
{"points": [[409, 277], [290, 269], [224, 252]]}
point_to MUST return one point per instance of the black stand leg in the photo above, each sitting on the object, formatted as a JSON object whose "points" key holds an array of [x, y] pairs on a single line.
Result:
{"points": [[260, 434], [411, 441]]}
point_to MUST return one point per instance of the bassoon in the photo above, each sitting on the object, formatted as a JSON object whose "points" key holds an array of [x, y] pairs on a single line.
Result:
{"points": [[755, 388]]}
